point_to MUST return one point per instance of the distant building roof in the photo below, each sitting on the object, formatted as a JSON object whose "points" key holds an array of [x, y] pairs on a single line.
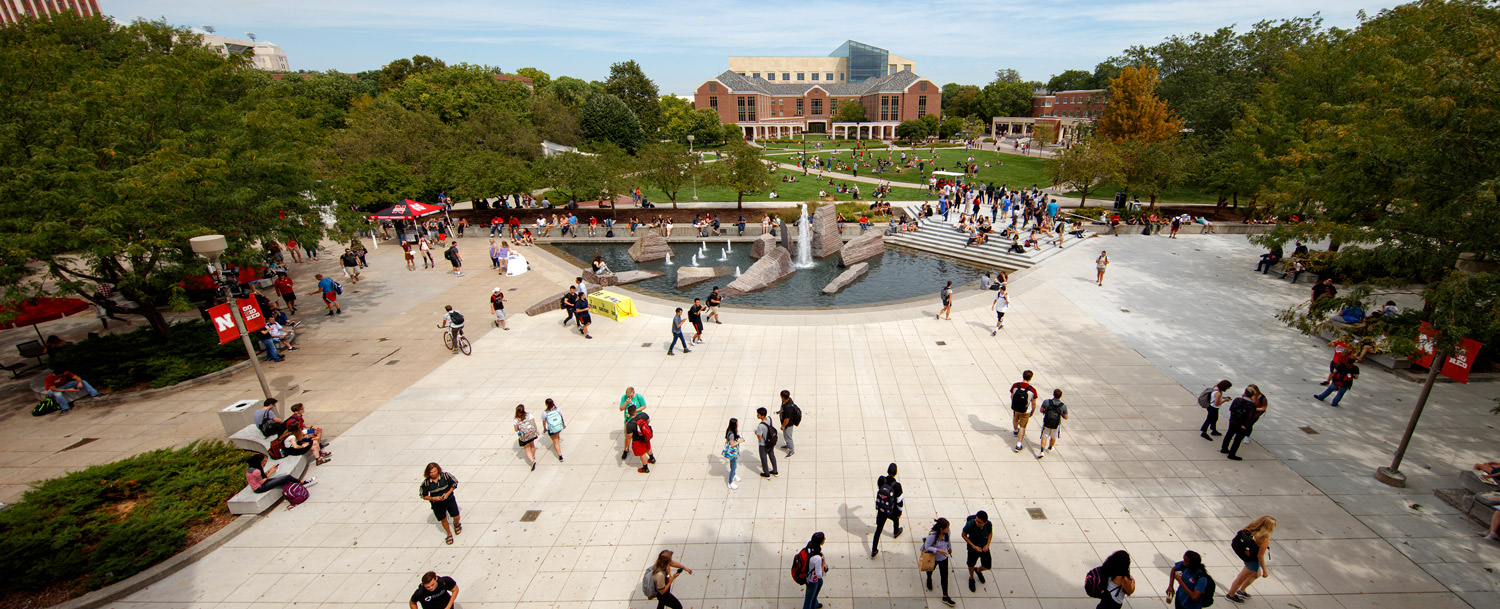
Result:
{"points": [[893, 83]]}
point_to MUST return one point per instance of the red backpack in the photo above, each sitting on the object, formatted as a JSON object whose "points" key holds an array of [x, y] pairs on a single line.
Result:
{"points": [[799, 567], [277, 449], [643, 431]]}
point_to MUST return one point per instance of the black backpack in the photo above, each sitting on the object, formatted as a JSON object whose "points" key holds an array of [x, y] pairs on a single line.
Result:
{"points": [[1240, 409], [770, 435], [271, 427], [46, 406], [1244, 545], [1051, 414], [792, 413], [1018, 399], [885, 499], [455, 318]]}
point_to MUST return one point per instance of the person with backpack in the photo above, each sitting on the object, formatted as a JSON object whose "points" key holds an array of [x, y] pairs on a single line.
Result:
{"points": [[812, 566], [350, 263], [732, 451], [640, 438], [454, 322], [295, 442], [888, 504], [936, 543], [1195, 589], [791, 416], [977, 533], [765, 433], [553, 419], [437, 488], [570, 302], [1249, 545], [1053, 413], [1244, 411], [453, 257], [435, 592], [1111, 582], [630, 400], [330, 290], [1342, 379], [526, 430], [945, 298], [658, 581], [1022, 406], [1211, 399], [266, 421], [261, 480]]}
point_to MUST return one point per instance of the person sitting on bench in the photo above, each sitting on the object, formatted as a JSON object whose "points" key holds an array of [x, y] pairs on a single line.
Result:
{"points": [[59, 384]]}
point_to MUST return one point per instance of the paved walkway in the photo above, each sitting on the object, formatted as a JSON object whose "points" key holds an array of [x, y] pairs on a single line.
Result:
{"points": [[883, 385]]}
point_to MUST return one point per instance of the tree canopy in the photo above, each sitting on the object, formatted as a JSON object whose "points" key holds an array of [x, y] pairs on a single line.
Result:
{"points": [[629, 83]]}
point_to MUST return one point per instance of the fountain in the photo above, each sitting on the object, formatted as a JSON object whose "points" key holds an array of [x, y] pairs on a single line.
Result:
{"points": [[669, 257], [703, 249], [723, 254], [730, 244], [736, 271], [695, 260], [804, 241]]}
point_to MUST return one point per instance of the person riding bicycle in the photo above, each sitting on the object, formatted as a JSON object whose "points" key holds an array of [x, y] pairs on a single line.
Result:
{"points": [[454, 321]]}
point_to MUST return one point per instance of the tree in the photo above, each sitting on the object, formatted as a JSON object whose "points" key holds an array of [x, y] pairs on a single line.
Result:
{"points": [[1071, 80], [629, 83], [396, 72], [555, 121], [742, 171], [572, 92], [539, 79], [324, 97], [1149, 168], [849, 111], [1085, 167], [733, 133], [576, 175], [1134, 112], [1009, 95], [119, 143], [667, 166], [1043, 134], [913, 130], [605, 118], [453, 92], [950, 127]]}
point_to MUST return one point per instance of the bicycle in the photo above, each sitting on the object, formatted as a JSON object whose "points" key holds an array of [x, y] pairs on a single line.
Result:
{"points": [[463, 341]]}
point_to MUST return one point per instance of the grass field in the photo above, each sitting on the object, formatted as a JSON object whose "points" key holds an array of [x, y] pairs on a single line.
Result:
{"points": [[804, 189]]}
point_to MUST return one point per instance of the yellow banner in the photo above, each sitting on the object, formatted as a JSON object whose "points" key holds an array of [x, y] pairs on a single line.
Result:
{"points": [[612, 305]]}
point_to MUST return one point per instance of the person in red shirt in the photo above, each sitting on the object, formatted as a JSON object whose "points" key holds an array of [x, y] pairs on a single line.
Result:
{"points": [[515, 225], [497, 224], [287, 293], [60, 383], [593, 224]]}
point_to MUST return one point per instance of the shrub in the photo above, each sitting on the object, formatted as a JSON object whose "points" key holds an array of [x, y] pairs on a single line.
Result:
{"points": [[121, 361], [103, 524]]}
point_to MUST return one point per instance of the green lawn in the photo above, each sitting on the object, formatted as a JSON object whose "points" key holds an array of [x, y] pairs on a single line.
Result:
{"points": [[804, 189], [1018, 171]]}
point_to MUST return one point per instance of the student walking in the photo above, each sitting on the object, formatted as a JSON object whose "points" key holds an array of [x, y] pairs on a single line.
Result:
{"points": [[1053, 413], [936, 543], [581, 313], [1191, 581], [695, 316], [526, 430], [977, 533], [640, 439], [453, 257], [553, 419], [1344, 374], [765, 433], [435, 592], [1022, 406], [817, 567], [713, 302], [630, 404], [497, 306], [1000, 306], [1119, 584], [437, 488], [329, 289], [1211, 399], [945, 297], [888, 503], [1244, 411], [791, 416], [1249, 545], [677, 335], [662, 577], [1100, 264], [732, 451]]}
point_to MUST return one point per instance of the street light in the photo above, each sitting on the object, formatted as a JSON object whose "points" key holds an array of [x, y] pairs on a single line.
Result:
{"points": [[695, 165], [211, 247]]}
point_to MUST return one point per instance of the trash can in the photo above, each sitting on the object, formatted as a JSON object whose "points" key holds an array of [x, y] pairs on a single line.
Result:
{"points": [[238, 415]]}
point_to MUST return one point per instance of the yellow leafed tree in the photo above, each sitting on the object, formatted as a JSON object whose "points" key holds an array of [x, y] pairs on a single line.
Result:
{"points": [[1134, 112]]}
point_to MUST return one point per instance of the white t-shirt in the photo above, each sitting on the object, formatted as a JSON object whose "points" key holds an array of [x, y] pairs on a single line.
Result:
{"points": [[1213, 398], [815, 569], [1002, 302]]}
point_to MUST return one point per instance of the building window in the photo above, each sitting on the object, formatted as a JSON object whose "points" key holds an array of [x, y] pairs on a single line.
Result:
{"points": [[890, 69], [801, 75], [750, 104], [713, 87], [841, 77], [770, 76], [814, 75], [786, 75], [799, 107], [830, 77], [817, 107], [922, 86], [753, 75], [741, 102], [713, 102], [906, 68], [921, 106]]}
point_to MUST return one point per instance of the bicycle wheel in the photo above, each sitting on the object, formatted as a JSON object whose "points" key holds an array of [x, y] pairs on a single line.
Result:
{"points": [[463, 344], [447, 340]]}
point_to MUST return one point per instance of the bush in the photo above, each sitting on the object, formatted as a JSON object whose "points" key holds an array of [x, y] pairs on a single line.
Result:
{"points": [[103, 524], [121, 361]]}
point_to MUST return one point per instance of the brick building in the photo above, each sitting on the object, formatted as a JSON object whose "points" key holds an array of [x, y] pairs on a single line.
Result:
{"points": [[1082, 103], [765, 109], [12, 11]]}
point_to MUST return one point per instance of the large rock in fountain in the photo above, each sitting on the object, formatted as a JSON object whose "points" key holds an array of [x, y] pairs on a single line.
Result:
{"points": [[624, 277], [773, 267], [554, 302], [650, 246], [863, 247], [847, 277], [762, 245], [691, 275], [825, 231], [605, 280]]}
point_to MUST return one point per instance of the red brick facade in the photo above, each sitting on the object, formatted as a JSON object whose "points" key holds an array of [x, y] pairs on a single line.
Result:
{"points": [[1070, 104], [816, 105]]}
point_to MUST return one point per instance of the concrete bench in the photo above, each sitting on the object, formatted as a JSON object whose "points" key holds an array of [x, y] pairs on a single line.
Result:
{"points": [[251, 439], [248, 501]]}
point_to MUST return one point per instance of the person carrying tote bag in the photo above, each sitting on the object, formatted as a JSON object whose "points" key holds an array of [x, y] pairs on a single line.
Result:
{"points": [[937, 546]]}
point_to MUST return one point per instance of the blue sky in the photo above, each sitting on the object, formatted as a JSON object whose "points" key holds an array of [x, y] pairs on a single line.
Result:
{"points": [[681, 43]]}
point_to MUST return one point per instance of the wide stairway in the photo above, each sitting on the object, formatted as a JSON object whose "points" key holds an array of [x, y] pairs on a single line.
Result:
{"points": [[939, 237]]}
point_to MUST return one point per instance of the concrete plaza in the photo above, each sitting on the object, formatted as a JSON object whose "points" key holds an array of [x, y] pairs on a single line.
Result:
{"points": [[878, 385]]}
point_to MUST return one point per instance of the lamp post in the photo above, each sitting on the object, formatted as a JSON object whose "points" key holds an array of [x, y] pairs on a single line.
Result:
{"points": [[211, 247], [695, 165], [1392, 475]]}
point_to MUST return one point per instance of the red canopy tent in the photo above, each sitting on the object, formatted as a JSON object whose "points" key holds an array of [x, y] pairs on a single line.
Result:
{"points": [[33, 312], [406, 210]]}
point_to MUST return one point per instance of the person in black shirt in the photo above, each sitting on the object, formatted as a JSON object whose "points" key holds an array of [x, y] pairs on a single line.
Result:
{"points": [[892, 512], [438, 487], [569, 302], [581, 313], [695, 316], [435, 592], [714, 300]]}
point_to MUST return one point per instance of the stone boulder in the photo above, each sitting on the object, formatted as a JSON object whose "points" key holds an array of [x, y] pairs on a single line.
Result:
{"points": [[773, 267], [863, 247], [847, 277], [650, 246], [762, 245], [554, 303], [624, 277], [691, 275], [604, 280], [825, 231]]}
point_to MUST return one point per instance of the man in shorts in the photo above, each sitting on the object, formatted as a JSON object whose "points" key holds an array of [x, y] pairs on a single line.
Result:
{"points": [[287, 293], [330, 296], [350, 263], [695, 317], [457, 260], [454, 322], [977, 533], [1022, 405], [1002, 303], [438, 487], [631, 398], [581, 313], [714, 299], [497, 305], [1053, 413]]}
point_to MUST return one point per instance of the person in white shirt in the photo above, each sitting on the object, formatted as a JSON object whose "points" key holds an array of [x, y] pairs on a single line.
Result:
{"points": [[1001, 304], [279, 332]]}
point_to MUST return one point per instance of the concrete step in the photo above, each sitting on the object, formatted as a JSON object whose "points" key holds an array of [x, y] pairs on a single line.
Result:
{"points": [[939, 237]]}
